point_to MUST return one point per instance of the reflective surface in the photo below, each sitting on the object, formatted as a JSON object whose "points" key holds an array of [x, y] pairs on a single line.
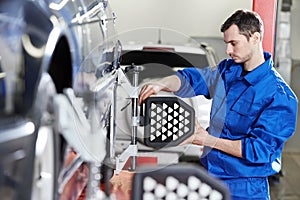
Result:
{"points": [[61, 38]]}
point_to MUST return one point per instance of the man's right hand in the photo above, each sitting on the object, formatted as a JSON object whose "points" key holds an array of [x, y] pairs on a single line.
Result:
{"points": [[148, 90], [168, 84]]}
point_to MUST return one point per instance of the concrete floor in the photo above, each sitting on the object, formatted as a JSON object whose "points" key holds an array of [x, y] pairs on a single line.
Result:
{"points": [[288, 187]]}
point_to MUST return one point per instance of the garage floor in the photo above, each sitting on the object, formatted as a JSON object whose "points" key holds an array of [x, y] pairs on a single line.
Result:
{"points": [[288, 187]]}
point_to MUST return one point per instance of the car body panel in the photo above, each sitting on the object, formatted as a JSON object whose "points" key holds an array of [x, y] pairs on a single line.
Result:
{"points": [[61, 38]]}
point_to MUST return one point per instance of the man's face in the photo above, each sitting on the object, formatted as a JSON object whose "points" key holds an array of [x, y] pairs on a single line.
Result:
{"points": [[237, 45]]}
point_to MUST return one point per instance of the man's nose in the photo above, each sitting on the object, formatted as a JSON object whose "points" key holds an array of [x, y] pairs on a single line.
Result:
{"points": [[228, 49]]}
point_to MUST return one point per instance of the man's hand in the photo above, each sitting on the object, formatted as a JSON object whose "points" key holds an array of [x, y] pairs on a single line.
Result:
{"points": [[199, 136], [167, 84], [148, 90], [203, 138]]}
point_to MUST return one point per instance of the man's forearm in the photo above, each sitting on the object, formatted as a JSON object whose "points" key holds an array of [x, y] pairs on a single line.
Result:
{"points": [[232, 147], [170, 83]]}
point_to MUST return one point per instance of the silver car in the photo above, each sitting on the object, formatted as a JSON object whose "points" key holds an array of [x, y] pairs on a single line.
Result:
{"points": [[46, 47]]}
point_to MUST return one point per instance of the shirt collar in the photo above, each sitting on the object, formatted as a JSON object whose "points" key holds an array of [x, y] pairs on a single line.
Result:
{"points": [[261, 71]]}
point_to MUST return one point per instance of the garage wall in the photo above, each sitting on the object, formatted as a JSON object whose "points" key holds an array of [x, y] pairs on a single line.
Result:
{"points": [[195, 18], [293, 144], [295, 30], [191, 17]]}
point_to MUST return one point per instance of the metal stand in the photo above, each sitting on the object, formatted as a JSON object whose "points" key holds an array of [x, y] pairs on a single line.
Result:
{"points": [[132, 149]]}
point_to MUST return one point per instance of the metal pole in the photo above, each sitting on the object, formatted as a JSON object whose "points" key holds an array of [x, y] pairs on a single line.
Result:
{"points": [[134, 115]]}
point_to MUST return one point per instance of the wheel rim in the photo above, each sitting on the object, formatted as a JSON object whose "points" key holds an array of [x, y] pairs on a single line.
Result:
{"points": [[44, 170]]}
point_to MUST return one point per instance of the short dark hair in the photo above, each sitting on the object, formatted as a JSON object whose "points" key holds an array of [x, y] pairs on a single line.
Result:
{"points": [[247, 21]]}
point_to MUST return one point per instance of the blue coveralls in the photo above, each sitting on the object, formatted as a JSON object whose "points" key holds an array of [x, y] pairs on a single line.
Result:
{"points": [[259, 109]]}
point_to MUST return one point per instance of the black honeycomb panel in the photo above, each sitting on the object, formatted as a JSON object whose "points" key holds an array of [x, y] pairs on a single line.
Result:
{"points": [[168, 121]]}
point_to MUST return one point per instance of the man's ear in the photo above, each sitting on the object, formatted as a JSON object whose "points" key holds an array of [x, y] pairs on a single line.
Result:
{"points": [[256, 37]]}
